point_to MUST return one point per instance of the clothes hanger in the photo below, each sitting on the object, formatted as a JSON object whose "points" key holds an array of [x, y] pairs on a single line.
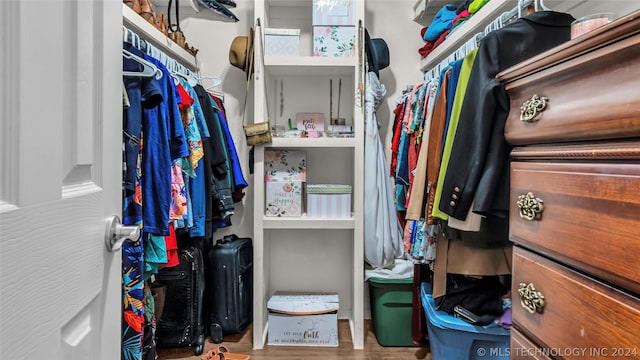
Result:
{"points": [[148, 69], [215, 81], [211, 89]]}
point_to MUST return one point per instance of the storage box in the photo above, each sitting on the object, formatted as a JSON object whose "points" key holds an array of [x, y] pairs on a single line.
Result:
{"points": [[284, 198], [281, 42], [334, 12], [285, 165], [300, 319], [451, 338], [334, 41], [329, 201], [391, 306]]}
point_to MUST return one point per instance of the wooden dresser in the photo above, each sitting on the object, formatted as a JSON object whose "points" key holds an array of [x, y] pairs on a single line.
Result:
{"points": [[575, 197]]}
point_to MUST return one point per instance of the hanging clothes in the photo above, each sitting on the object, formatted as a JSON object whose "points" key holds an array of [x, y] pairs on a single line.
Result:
{"points": [[478, 166], [143, 93], [382, 232]]}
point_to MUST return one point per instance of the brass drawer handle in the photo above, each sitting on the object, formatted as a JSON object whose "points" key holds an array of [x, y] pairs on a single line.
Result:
{"points": [[531, 299], [530, 207], [530, 108]]}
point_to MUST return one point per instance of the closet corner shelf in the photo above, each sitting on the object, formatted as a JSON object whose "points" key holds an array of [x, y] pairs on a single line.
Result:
{"points": [[310, 65], [146, 31], [304, 222], [474, 25], [313, 142]]}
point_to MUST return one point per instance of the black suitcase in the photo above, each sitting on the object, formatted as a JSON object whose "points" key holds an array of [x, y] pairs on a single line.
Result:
{"points": [[182, 322], [230, 286]]}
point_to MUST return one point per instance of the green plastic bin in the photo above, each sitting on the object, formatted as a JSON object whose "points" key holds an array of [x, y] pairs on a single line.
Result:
{"points": [[391, 310]]}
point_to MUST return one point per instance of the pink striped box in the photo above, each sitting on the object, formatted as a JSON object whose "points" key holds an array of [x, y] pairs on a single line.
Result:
{"points": [[329, 201]]}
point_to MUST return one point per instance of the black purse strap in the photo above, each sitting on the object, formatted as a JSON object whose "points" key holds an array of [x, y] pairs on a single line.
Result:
{"points": [[177, 28]]}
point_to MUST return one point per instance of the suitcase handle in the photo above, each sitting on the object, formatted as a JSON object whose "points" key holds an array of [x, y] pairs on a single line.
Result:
{"points": [[227, 239]]}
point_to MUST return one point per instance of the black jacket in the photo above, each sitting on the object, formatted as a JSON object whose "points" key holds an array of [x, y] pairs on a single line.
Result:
{"points": [[479, 162]]}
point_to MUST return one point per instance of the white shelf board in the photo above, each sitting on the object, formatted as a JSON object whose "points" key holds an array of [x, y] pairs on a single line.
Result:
{"points": [[304, 222], [146, 31], [312, 142], [474, 25], [310, 65]]}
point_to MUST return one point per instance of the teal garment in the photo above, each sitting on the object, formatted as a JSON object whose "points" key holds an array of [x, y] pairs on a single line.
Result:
{"points": [[477, 5], [461, 88], [155, 254], [441, 22]]}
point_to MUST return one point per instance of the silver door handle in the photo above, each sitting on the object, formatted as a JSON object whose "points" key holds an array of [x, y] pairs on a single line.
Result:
{"points": [[116, 233]]}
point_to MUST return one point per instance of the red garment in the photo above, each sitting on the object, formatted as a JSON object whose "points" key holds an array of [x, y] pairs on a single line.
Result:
{"points": [[395, 141], [429, 46], [412, 159], [171, 243], [463, 14], [426, 49], [442, 38], [186, 100]]}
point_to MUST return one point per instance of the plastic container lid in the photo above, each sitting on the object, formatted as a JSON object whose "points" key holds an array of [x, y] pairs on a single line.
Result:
{"points": [[290, 32], [303, 304], [328, 189]]}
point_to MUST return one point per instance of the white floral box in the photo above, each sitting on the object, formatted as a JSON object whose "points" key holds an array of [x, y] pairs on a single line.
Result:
{"points": [[284, 198], [334, 12], [333, 41], [285, 165]]}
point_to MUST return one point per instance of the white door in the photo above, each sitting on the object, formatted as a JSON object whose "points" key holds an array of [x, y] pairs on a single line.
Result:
{"points": [[60, 177]]}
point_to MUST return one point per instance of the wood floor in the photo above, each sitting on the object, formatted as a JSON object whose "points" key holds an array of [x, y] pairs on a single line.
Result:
{"points": [[242, 343]]}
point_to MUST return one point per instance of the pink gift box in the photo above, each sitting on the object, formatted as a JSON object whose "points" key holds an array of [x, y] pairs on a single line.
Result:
{"points": [[285, 165]]}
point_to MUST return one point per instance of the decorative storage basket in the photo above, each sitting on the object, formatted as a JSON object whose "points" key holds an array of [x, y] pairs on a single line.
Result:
{"points": [[281, 42], [329, 201]]}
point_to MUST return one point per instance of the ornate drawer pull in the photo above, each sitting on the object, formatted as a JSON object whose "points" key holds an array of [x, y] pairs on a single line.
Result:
{"points": [[530, 108], [530, 207], [531, 299]]}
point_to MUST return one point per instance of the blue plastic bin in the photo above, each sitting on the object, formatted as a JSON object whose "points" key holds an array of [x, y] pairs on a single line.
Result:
{"points": [[451, 338]]}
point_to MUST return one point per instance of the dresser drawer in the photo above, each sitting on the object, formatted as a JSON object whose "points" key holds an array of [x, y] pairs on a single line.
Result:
{"points": [[577, 313], [523, 349], [590, 217], [588, 97]]}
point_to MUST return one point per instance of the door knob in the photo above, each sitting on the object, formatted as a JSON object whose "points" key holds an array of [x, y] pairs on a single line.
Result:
{"points": [[116, 233]]}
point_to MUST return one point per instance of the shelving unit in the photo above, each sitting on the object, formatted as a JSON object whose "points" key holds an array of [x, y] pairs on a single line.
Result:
{"points": [[303, 253]]}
